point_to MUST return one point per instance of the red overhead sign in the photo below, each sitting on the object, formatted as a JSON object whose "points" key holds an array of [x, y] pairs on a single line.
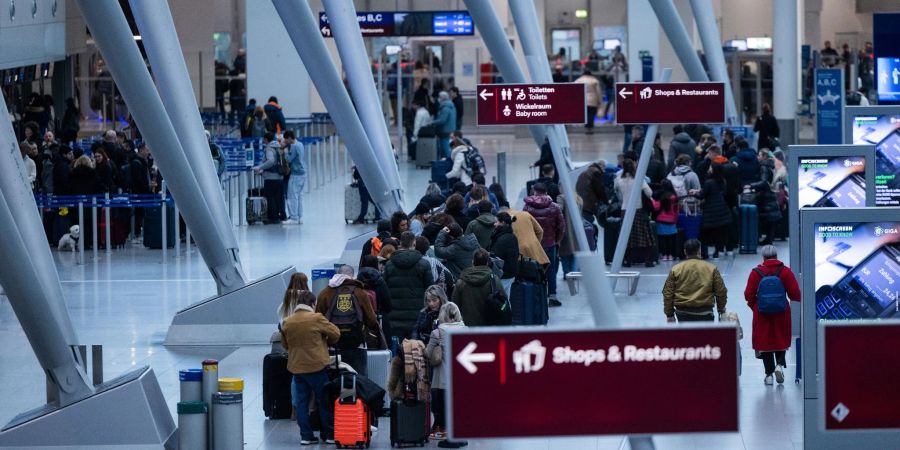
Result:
{"points": [[860, 369], [541, 382], [530, 104], [640, 103]]}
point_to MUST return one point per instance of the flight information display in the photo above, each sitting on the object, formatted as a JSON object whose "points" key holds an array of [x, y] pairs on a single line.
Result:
{"points": [[408, 23]]}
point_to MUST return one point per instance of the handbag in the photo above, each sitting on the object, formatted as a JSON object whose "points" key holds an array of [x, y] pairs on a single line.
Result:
{"points": [[497, 310]]}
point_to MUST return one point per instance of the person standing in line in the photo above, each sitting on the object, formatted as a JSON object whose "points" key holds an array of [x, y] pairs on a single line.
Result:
{"points": [[716, 218], [767, 127], [295, 156], [771, 332], [693, 288], [276, 115], [445, 123], [641, 239], [273, 182], [449, 316], [307, 335], [458, 104], [548, 214]]}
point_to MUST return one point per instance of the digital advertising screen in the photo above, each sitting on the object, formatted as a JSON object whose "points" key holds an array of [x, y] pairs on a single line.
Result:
{"points": [[857, 270], [408, 23], [832, 182], [882, 131], [888, 76]]}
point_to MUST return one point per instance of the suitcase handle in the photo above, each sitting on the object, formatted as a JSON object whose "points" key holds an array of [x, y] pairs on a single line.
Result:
{"points": [[348, 393]]}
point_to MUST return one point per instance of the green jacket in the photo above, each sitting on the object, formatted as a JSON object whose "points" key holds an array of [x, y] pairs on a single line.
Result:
{"points": [[694, 284], [472, 290], [482, 227]]}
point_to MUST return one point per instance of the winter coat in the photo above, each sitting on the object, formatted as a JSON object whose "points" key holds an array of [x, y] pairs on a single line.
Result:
{"points": [[83, 181], [458, 254], [748, 166], [328, 294], [591, 188], [472, 291], [407, 275], [767, 200], [307, 337], [669, 215], [276, 117], [529, 234], [140, 175], [549, 216], [269, 171], [436, 344], [106, 176], [460, 217], [62, 169], [767, 127], [592, 95], [372, 279], [771, 332], [445, 121], [425, 324], [691, 180], [458, 155], [482, 227], [623, 190], [715, 210], [505, 246], [682, 144], [733, 186], [431, 230], [694, 284], [433, 201]]}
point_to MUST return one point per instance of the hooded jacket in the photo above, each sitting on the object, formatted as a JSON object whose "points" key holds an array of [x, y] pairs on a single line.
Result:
{"points": [[372, 279], [748, 165], [307, 336], [326, 297], [590, 186], [716, 212], [549, 216], [691, 180], [275, 116], [407, 275], [472, 290], [445, 121], [482, 227], [682, 144], [767, 201], [457, 255], [505, 246], [458, 156]]}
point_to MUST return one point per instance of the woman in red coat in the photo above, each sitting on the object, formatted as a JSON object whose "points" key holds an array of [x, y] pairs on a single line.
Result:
{"points": [[772, 332]]}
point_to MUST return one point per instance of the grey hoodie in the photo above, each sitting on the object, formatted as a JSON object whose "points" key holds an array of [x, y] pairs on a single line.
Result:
{"points": [[691, 180]]}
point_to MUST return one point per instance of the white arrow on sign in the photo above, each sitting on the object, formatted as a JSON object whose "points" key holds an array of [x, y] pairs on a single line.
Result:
{"points": [[467, 357], [624, 92], [485, 94], [326, 31]]}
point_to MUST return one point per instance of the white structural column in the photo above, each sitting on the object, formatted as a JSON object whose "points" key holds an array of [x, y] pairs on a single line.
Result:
{"points": [[634, 200], [786, 68], [712, 48], [641, 37], [681, 42]]}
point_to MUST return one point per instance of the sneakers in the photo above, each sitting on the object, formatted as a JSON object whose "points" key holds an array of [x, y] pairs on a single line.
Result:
{"points": [[779, 374], [329, 441], [553, 302], [290, 222], [768, 380], [312, 441]]}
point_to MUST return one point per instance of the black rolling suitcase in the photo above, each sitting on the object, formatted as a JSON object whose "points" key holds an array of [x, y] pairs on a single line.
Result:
{"points": [[409, 422], [276, 386], [611, 229], [153, 227]]}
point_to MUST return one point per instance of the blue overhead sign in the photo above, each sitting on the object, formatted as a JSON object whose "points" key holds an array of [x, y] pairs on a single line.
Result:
{"points": [[829, 106], [408, 23]]}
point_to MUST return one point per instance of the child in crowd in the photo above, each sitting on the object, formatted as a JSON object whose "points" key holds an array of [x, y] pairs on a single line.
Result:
{"points": [[666, 209]]}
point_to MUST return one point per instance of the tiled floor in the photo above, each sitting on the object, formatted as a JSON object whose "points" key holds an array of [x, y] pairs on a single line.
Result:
{"points": [[126, 300]]}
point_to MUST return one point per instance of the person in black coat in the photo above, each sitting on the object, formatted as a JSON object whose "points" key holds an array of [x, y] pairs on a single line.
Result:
{"points": [[372, 279], [547, 158], [62, 169], [716, 214], [456, 208], [767, 127], [505, 245], [106, 170], [766, 200], [433, 197]]}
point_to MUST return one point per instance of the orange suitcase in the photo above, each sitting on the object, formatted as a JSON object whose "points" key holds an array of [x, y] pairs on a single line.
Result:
{"points": [[351, 419]]}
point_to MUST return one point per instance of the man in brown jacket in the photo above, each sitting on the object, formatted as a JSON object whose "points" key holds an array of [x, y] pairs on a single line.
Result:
{"points": [[345, 286], [306, 337], [693, 288], [592, 189]]}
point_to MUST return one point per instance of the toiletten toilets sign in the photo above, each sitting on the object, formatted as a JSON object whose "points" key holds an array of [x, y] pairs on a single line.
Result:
{"points": [[530, 104], [541, 382]]}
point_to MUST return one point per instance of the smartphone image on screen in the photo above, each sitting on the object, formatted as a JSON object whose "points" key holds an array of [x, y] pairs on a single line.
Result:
{"points": [[849, 193], [868, 291], [888, 153]]}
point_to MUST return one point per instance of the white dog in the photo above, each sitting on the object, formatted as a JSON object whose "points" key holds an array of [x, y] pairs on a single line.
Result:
{"points": [[69, 241]]}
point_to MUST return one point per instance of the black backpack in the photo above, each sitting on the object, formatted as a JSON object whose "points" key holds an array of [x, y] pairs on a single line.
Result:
{"points": [[474, 162], [346, 314]]}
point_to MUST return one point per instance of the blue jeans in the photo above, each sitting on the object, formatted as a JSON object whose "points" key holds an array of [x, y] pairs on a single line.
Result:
{"points": [[568, 264], [295, 196], [444, 145], [552, 268], [304, 384]]}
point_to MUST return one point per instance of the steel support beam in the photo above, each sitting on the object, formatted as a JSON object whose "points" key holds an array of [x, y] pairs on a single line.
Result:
{"points": [[712, 48], [303, 28], [154, 20], [681, 42], [349, 40], [634, 201]]}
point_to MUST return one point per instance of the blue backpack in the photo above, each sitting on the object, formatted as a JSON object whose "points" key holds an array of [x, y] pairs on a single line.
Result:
{"points": [[771, 297]]}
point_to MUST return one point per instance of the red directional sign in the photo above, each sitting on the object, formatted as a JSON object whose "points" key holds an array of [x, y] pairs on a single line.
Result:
{"points": [[640, 103], [859, 368], [543, 382], [530, 104]]}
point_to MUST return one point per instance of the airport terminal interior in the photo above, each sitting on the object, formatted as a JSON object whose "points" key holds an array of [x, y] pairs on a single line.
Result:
{"points": [[172, 166]]}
